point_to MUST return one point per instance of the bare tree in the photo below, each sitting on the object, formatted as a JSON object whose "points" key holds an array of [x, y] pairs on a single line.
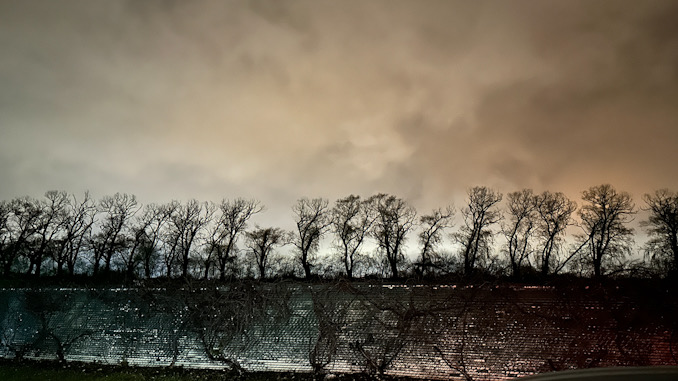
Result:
{"points": [[138, 251], [136, 241], [395, 218], [5, 233], [49, 227], [475, 235], [555, 215], [154, 218], [312, 221], [261, 242], [232, 222], [169, 240], [23, 222], [662, 226], [77, 224], [604, 217], [144, 238], [118, 210], [519, 229], [185, 225], [352, 219], [431, 235]]}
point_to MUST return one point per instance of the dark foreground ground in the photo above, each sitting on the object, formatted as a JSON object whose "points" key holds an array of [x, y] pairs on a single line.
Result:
{"points": [[29, 370], [483, 331]]}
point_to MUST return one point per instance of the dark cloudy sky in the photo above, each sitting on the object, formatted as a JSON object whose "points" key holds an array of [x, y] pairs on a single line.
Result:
{"points": [[282, 99]]}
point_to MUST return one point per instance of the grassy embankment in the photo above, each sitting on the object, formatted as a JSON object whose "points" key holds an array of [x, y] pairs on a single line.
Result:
{"points": [[53, 371], [29, 370]]}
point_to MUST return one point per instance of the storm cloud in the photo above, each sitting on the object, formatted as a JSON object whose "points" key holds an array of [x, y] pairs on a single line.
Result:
{"points": [[283, 99]]}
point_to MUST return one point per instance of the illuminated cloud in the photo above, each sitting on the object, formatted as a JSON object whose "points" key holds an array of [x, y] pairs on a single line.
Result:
{"points": [[283, 99]]}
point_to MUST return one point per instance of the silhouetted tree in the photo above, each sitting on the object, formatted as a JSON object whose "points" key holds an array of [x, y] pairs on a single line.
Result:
{"points": [[78, 221], [431, 235], [153, 220], [49, 226], [130, 254], [261, 242], [170, 240], [662, 226], [136, 241], [5, 233], [207, 256], [352, 219], [312, 221], [23, 223], [604, 217], [185, 225], [227, 229], [475, 235], [395, 218], [520, 227], [118, 210], [555, 215]]}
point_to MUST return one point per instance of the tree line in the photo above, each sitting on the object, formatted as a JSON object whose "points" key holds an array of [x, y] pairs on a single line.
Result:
{"points": [[520, 234]]}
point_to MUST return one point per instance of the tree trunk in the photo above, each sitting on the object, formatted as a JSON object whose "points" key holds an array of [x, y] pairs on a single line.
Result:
{"points": [[596, 267], [184, 268], [394, 268], [222, 270], [349, 268], [38, 267], [468, 268], [107, 268], [207, 270], [307, 269], [515, 269]]}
